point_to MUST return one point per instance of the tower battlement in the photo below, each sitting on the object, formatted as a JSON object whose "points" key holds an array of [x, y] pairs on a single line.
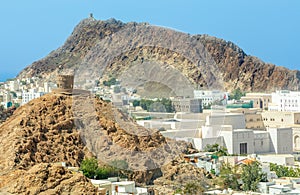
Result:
{"points": [[65, 81]]}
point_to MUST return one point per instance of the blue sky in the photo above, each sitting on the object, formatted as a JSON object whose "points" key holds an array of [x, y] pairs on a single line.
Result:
{"points": [[268, 29]]}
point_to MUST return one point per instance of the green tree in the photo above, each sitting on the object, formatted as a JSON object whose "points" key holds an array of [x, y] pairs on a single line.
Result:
{"points": [[167, 104], [89, 167], [161, 105], [237, 94], [217, 149], [283, 171], [230, 176], [251, 176], [178, 191], [14, 94], [110, 82], [145, 104], [192, 188], [136, 103]]}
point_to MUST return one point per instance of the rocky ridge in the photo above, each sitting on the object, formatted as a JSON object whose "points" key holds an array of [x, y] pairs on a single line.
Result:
{"points": [[54, 129], [203, 59]]}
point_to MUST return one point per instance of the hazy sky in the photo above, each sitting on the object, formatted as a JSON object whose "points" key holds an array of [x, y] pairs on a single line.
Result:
{"points": [[268, 29]]}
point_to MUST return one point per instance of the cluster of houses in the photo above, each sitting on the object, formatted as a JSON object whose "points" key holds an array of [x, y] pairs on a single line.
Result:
{"points": [[270, 123], [261, 127], [20, 91], [273, 185]]}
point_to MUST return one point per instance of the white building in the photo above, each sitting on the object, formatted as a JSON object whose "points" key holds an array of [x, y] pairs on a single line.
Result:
{"points": [[209, 97], [48, 87], [13, 85], [7, 99], [285, 100], [281, 140], [239, 141], [28, 96], [279, 159], [246, 141], [236, 120], [112, 186], [229, 130]]}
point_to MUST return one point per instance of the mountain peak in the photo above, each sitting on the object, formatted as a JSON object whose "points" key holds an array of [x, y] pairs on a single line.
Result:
{"points": [[138, 42]]}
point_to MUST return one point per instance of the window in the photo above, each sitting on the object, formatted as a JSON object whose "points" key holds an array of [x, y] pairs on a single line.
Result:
{"points": [[262, 143], [243, 148]]}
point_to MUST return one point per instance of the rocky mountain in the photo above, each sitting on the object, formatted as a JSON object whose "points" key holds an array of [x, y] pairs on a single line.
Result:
{"points": [[64, 128], [98, 48]]}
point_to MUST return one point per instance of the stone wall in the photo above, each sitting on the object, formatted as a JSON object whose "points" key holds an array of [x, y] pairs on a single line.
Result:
{"points": [[65, 81]]}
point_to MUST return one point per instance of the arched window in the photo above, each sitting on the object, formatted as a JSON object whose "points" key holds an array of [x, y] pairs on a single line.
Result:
{"points": [[297, 142]]}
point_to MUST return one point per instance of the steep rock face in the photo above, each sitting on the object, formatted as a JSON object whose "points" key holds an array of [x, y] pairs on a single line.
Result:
{"points": [[248, 72], [41, 131], [111, 135], [61, 128], [92, 38]]}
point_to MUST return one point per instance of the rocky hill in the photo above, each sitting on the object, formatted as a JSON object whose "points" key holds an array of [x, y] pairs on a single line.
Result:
{"points": [[45, 179], [63, 128], [97, 48]]}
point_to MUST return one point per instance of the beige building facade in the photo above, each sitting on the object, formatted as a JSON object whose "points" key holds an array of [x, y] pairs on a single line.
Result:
{"points": [[260, 100], [253, 117], [280, 119]]}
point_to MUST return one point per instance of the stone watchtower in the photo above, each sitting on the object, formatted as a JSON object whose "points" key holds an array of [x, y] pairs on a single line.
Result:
{"points": [[65, 82]]}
